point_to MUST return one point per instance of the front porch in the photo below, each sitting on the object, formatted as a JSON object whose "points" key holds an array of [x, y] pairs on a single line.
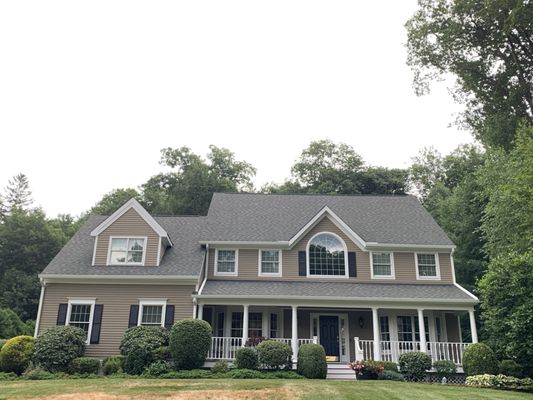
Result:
{"points": [[346, 334]]}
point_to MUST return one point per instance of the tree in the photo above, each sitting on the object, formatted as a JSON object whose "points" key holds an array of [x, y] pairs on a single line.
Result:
{"points": [[189, 187], [488, 47], [17, 193], [508, 185], [113, 200], [11, 325], [507, 307]]}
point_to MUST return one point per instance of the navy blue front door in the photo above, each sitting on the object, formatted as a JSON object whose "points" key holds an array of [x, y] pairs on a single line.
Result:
{"points": [[329, 335]]}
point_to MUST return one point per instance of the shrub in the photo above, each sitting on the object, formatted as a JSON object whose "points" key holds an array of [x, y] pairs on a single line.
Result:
{"points": [[282, 375], [8, 376], [158, 368], [245, 374], [414, 365], [2, 342], [38, 374], [191, 374], [136, 361], [389, 366], [444, 368], [500, 382], [84, 365], [479, 359], [11, 325], [162, 354], [190, 340], [510, 368], [312, 361], [148, 338], [254, 341], [16, 354], [220, 367], [114, 365], [389, 375], [274, 355], [246, 358], [58, 346]]}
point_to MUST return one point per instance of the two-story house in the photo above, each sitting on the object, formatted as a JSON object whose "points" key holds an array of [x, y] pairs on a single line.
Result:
{"points": [[368, 277]]}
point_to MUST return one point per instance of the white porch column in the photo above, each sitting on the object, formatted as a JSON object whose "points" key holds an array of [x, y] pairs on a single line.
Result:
{"points": [[422, 331], [473, 328], [375, 328], [294, 341], [244, 325], [200, 311]]}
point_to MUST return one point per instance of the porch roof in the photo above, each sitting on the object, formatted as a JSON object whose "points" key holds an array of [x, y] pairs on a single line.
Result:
{"points": [[426, 293]]}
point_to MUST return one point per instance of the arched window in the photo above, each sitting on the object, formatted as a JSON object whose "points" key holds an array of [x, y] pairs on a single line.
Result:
{"points": [[327, 255]]}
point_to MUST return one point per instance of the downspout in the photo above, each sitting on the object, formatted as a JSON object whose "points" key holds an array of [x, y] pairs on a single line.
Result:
{"points": [[39, 310]]}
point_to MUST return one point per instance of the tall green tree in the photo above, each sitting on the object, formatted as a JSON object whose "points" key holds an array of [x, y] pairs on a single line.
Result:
{"points": [[113, 200], [189, 187], [488, 47], [17, 193]]}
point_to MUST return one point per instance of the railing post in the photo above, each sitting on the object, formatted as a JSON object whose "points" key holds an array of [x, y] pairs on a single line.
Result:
{"points": [[359, 353], [315, 339], [375, 327]]}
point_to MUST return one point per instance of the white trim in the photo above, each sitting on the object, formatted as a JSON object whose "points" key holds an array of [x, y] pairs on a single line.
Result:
{"points": [[94, 251], [466, 291], [40, 309], [347, 340], [308, 259], [336, 220], [236, 269], [82, 301], [260, 263], [206, 269], [406, 247], [120, 279], [437, 268], [244, 244], [132, 203], [145, 248], [159, 251], [152, 302], [392, 275]]}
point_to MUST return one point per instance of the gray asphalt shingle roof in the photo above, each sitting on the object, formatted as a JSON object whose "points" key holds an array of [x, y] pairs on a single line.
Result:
{"points": [[183, 259], [278, 217], [430, 292]]}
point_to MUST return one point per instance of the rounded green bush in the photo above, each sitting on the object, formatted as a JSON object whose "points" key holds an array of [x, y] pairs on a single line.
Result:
{"points": [[511, 368], [16, 354], [114, 365], [220, 367], [479, 359], [246, 358], [190, 341], [389, 366], [149, 338], [158, 368], [84, 365], [274, 355], [58, 346], [312, 361], [414, 365], [444, 368]]}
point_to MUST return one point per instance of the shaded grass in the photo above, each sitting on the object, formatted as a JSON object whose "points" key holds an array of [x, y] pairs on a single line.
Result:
{"points": [[126, 388]]}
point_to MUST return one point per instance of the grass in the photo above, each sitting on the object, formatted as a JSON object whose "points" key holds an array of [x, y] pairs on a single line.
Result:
{"points": [[128, 388]]}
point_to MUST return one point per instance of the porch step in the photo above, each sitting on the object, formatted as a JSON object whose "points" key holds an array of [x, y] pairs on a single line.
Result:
{"points": [[340, 371]]}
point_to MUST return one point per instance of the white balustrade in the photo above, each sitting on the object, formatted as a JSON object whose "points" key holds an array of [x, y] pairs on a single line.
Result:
{"points": [[224, 348]]}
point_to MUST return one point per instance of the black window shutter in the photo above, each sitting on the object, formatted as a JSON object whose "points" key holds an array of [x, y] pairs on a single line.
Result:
{"points": [[169, 317], [62, 314], [134, 315], [302, 265], [97, 323], [352, 264]]}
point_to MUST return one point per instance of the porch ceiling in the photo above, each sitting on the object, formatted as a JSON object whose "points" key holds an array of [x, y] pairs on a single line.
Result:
{"points": [[426, 293]]}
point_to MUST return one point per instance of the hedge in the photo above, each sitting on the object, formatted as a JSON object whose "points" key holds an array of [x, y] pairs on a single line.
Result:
{"points": [[312, 361], [114, 365], [190, 341], [274, 355], [413, 366], [246, 358], [84, 366], [478, 359], [142, 345], [58, 346], [16, 354], [511, 368]]}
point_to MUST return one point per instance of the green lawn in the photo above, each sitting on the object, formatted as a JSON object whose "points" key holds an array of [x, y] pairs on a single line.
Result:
{"points": [[121, 389]]}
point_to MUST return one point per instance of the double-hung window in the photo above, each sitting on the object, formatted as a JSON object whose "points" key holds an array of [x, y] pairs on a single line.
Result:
{"points": [[152, 312], [427, 266], [270, 262], [80, 314], [127, 250], [382, 265], [255, 324], [327, 256], [226, 262]]}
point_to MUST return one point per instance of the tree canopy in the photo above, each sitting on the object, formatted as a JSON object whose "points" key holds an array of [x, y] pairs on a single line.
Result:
{"points": [[488, 47]]}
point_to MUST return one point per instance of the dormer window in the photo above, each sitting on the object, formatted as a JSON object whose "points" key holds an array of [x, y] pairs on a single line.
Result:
{"points": [[127, 250], [327, 256]]}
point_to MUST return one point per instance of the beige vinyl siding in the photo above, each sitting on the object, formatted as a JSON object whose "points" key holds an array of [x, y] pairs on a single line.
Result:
{"points": [[116, 300], [404, 262], [129, 224]]}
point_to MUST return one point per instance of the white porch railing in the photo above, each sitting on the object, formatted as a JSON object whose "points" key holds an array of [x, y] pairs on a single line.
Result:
{"points": [[225, 348], [392, 350]]}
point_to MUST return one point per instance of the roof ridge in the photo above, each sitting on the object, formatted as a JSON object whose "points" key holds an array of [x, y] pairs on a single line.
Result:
{"points": [[406, 195]]}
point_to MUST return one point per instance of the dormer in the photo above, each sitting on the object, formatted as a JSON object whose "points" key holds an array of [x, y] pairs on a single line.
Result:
{"points": [[129, 237]]}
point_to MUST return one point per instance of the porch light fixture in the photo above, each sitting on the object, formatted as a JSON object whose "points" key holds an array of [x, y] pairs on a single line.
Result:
{"points": [[361, 322]]}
